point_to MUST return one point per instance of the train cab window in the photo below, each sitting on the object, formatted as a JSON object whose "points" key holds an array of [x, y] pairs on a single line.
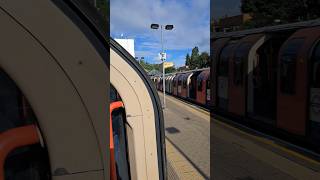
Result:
{"points": [[288, 60], [239, 59], [316, 67], [28, 162]]}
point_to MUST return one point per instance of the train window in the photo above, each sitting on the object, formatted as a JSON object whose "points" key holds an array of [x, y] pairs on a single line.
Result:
{"points": [[288, 65], [119, 138], [179, 82], [114, 95], [120, 144], [199, 84], [184, 83], [316, 67], [29, 162], [240, 56], [223, 69]]}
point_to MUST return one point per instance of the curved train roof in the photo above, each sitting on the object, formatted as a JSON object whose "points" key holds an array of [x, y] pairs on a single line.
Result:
{"points": [[268, 29]]}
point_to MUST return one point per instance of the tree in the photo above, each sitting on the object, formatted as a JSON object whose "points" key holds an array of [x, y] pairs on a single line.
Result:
{"points": [[266, 12], [187, 60], [197, 60], [204, 60], [170, 70], [146, 66], [194, 59]]}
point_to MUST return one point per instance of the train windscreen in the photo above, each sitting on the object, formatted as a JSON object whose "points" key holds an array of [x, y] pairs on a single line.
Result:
{"points": [[288, 60]]}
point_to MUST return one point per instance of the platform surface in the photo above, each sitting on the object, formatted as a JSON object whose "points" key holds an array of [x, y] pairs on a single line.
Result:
{"points": [[235, 154]]}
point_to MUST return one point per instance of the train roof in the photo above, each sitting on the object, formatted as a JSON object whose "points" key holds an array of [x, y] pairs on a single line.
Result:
{"points": [[189, 71], [268, 29]]}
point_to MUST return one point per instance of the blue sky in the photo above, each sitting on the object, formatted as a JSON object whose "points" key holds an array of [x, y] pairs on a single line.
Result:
{"points": [[191, 18]]}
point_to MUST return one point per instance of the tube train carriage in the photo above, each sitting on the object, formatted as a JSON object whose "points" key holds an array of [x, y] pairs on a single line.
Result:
{"points": [[190, 85], [271, 77], [54, 98]]}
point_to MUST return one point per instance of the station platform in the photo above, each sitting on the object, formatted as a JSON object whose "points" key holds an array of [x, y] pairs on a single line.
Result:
{"points": [[187, 140], [235, 154]]}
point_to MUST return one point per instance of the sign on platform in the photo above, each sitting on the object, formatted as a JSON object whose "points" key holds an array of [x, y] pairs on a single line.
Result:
{"points": [[162, 56]]}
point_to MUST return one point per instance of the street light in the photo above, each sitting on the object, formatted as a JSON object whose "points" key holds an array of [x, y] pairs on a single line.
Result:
{"points": [[163, 58]]}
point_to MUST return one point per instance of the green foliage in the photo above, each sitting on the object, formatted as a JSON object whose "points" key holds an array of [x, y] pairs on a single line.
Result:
{"points": [[187, 60], [204, 60], [103, 8], [197, 60], [170, 70], [194, 59], [148, 67], [266, 12]]}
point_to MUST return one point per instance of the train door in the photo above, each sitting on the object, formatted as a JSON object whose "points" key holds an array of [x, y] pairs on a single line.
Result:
{"points": [[180, 82], [193, 85], [143, 115], [175, 84], [202, 87], [223, 76], [245, 48], [167, 83], [172, 83], [185, 85], [188, 85], [314, 103], [208, 88], [293, 80], [216, 47], [262, 81], [160, 84]]}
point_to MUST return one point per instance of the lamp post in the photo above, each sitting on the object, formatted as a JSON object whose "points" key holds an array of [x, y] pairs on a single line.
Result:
{"points": [[163, 58]]}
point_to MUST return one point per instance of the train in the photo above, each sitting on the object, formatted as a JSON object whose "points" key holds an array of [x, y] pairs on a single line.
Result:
{"points": [[73, 103], [193, 85], [266, 78], [270, 77]]}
